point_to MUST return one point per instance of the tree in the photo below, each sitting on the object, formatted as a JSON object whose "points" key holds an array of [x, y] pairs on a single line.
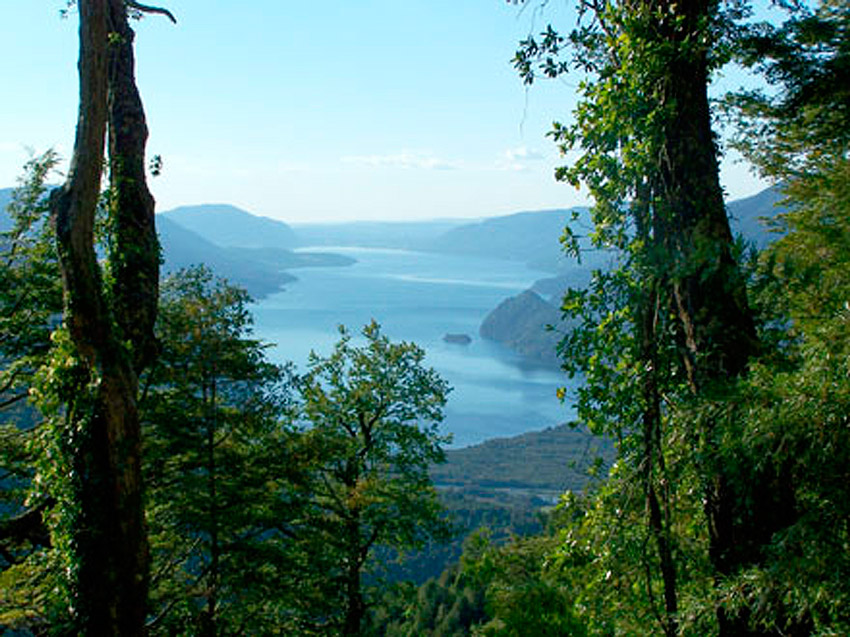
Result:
{"points": [[799, 135], [30, 303], [102, 515], [30, 293], [669, 332], [524, 596], [217, 467], [372, 415], [802, 127]]}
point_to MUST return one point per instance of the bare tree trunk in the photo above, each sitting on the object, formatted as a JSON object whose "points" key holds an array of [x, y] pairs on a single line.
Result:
{"points": [[109, 534]]}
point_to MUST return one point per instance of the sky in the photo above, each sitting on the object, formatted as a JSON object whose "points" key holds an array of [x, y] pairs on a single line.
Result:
{"points": [[318, 111]]}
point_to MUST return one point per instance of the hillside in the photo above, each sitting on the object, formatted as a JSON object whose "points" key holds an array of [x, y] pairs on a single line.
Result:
{"points": [[229, 226], [520, 322], [503, 484], [747, 216], [531, 237], [538, 464], [182, 248]]}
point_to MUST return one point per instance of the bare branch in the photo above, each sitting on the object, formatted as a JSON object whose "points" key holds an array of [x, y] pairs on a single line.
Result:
{"points": [[148, 9]]}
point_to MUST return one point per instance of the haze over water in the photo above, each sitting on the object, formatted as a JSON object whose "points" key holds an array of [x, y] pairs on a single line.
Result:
{"points": [[420, 297]]}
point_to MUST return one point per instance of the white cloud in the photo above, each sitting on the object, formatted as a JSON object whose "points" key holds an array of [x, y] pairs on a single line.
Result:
{"points": [[522, 153], [516, 159], [401, 160]]}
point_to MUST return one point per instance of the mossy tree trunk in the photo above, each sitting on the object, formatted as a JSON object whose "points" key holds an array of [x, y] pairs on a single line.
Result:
{"points": [[111, 577], [717, 334]]}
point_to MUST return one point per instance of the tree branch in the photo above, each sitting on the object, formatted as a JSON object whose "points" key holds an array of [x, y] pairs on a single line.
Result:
{"points": [[148, 9]]}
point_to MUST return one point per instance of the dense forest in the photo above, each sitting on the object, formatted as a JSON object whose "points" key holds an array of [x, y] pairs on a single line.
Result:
{"points": [[159, 475]]}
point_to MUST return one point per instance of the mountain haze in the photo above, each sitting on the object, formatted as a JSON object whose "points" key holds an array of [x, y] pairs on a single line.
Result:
{"points": [[749, 216], [5, 199], [530, 236], [229, 226], [401, 235], [182, 248]]}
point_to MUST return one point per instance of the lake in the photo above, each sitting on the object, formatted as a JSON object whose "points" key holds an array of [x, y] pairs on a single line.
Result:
{"points": [[420, 297]]}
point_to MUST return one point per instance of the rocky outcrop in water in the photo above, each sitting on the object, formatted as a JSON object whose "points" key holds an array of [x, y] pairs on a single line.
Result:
{"points": [[521, 323]]}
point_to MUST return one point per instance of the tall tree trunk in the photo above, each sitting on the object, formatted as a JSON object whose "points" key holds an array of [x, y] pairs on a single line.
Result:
{"points": [[135, 248], [717, 331], [109, 534]]}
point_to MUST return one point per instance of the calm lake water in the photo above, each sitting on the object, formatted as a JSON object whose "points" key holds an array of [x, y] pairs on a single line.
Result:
{"points": [[420, 297]]}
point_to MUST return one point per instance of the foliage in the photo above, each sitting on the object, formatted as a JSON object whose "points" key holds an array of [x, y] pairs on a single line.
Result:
{"points": [[769, 447], [443, 606], [802, 123], [798, 394], [214, 416], [524, 596], [666, 341], [371, 432], [30, 302], [30, 289]]}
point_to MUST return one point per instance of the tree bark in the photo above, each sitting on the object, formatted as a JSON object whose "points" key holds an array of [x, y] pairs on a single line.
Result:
{"points": [[111, 579], [135, 248], [716, 329]]}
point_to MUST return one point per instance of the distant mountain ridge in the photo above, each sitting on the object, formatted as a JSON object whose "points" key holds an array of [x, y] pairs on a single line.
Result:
{"points": [[530, 236], [522, 322], [253, 251], [182, 248], [402, 235], [229, 226]]}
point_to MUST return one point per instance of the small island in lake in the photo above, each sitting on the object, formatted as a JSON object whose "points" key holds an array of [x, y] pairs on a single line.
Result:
{"points": [[458, 339]]}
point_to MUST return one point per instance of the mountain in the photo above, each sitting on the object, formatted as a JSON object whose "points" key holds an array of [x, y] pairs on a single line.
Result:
{"points": [[241, 258], [229, 226], [520, 322], [525, 236], [541, 463], [182, 248], [749, 216]]}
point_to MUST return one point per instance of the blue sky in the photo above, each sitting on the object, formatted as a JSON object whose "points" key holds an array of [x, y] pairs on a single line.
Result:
{"points": [[317, 111]]}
